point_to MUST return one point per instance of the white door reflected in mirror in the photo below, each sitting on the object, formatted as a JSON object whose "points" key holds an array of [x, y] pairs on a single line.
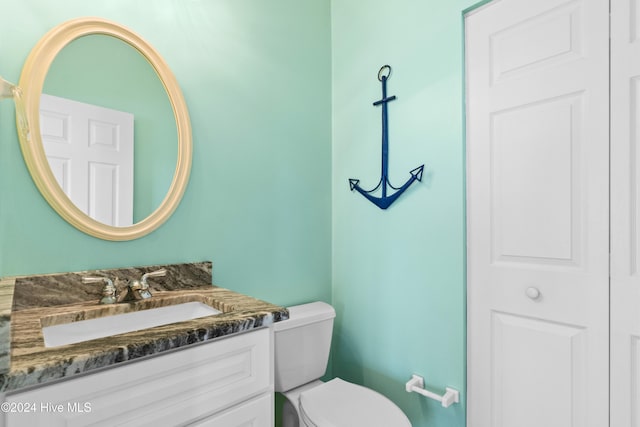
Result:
{"points": [[90, 151]]}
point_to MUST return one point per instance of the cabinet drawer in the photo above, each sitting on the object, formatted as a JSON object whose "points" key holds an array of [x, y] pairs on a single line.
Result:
{"points": [[255, 413], [170, 389]]}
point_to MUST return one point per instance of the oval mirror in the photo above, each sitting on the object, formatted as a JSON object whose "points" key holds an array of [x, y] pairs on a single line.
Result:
{"points": [[145, 92]]}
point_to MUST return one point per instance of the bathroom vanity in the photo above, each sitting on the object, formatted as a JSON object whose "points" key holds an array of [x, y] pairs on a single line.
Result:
{"points": [[211, 370], [224, 383]]}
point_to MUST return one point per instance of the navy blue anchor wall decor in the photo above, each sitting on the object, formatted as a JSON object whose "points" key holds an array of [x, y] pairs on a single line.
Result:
{"points": [[385, 200]]}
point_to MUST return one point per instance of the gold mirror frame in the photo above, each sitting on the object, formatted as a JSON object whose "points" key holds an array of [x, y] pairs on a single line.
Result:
{"points": [[31, 83]]}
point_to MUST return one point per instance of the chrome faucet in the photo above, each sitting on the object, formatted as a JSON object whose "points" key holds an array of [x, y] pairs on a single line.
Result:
{"points": [[109, 292], [135, 290], [139, 289]]}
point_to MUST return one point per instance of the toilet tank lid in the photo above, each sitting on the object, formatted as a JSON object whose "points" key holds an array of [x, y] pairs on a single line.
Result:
{"points": [[305, 314]]}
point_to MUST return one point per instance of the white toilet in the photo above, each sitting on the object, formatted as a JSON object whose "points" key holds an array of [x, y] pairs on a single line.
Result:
{"points": [[302, 346]]}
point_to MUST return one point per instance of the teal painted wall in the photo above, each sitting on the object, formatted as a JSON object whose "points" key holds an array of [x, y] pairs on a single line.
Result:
{"points": [[398, 275], [256, 78]]}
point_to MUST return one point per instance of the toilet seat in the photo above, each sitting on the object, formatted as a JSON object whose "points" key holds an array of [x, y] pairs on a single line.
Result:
{"points": [[338, 403]]}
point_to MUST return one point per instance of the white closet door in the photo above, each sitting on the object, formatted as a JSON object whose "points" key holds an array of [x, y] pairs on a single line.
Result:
{"points": [[538, 213], [625, 213], [90, 152]]}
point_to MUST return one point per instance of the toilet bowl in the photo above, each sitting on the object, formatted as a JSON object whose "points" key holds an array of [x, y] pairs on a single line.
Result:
{"points": [[302, 346]]}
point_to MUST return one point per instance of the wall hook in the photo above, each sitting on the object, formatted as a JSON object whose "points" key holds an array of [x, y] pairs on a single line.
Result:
{"points": [[9, 90]]}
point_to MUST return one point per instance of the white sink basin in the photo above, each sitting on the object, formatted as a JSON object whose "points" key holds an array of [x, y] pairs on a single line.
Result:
{"points": [[85, 330]]}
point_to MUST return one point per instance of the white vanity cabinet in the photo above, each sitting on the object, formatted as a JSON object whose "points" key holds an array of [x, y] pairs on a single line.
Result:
{"points": [[223, 383]]}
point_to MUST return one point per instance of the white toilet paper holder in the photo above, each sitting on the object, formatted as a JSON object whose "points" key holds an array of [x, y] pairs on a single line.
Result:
{"points": [[416, 384]]}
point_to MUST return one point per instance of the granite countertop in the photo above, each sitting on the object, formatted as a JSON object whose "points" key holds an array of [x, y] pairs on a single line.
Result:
{"points": [[61, 298]]}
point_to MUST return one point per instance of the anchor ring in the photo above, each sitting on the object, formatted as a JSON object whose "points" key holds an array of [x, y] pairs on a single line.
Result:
{"points": [[385, 69]]}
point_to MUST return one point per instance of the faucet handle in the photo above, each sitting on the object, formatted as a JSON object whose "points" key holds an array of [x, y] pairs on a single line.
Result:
{"points": [[97, 279], [140, 288], [108, 292], [157, 273]]}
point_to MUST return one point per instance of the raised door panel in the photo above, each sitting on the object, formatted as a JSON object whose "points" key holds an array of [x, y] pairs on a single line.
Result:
{"points": [[548, 386], [535, 155], [540, 40], [256, 413], [634, 377], [54, 128], [104, 192]]}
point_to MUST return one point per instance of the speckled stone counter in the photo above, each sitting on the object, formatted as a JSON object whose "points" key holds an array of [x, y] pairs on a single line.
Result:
{"points": [[61, 298], [6, 298]]}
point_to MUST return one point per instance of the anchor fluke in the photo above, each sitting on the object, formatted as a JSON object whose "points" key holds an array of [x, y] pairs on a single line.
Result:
{"points": [[353, 183], [417, 173]]}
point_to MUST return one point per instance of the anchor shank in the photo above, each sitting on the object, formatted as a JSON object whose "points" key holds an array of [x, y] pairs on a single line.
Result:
{"points": [[385, 138]]}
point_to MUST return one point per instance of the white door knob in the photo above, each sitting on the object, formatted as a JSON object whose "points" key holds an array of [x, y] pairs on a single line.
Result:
{"points": [[533, 293]]}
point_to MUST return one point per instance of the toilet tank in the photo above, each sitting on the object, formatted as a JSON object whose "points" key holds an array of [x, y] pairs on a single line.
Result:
{"points": [[302, 345]]}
